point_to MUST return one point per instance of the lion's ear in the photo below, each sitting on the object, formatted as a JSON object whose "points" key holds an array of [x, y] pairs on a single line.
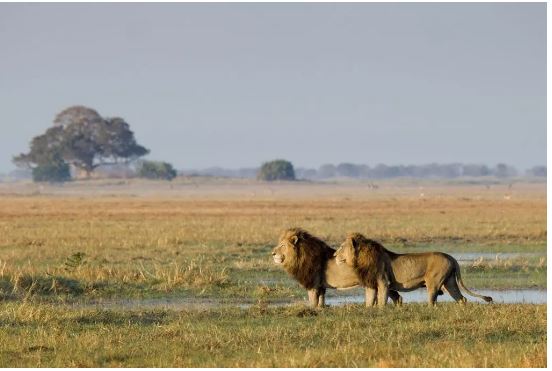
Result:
{"points": [[354, 243], [293, 240]]}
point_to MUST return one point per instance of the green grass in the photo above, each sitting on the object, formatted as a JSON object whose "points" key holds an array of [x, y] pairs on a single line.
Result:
{"points": [[449, 335]]}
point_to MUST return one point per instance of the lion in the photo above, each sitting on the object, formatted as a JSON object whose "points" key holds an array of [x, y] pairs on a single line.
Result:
{"points": [[381, 270], [311, 261]]}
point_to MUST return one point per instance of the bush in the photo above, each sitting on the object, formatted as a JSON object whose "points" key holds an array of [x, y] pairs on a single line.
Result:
{"points": [[276, 170], [52, 172], [156, 170]]}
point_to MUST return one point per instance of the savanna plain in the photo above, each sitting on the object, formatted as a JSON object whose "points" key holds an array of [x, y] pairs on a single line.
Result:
{"points": [[128, 273]]}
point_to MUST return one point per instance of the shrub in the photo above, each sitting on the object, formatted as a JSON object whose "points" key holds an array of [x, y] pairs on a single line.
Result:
{"points": [[276, 170], [57, 171], [156, 170]]}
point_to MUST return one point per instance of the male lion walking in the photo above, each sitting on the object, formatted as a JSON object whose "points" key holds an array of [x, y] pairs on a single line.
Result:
{"points": [[381, 270]]}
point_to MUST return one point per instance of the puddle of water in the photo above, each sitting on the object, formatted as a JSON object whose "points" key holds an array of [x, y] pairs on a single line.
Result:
{"points": [[464, 257], [524, 296], [527, 296]]}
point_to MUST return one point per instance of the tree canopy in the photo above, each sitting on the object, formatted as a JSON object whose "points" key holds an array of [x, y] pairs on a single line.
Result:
{"points": [[56, 171], [276, 170], [156, 170], [84, 139]]}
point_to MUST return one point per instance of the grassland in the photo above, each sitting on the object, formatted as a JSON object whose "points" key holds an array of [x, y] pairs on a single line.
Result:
{"points": [[411, 336], [220, 246], [123, 239]]}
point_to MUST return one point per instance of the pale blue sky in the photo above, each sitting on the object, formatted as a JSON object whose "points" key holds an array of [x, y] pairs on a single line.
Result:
{"points": [[234, 85]]}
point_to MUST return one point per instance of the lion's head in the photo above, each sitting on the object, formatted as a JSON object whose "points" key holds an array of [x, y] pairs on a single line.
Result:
{"points": [[366, 256], [286, 251], [346, 252], [303, 256]]}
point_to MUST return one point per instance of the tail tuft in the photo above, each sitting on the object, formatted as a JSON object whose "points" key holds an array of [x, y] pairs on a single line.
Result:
{"points": [[488, 299]]}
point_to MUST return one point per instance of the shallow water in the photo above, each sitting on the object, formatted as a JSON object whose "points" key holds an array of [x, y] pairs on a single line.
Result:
{"points": [[468, 257], [528, 296]]}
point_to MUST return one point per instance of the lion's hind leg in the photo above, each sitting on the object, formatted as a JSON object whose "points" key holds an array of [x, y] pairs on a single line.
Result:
{"points": [[396, 298], [322, 297], [433, 289], [431, 296], [452, 287]]}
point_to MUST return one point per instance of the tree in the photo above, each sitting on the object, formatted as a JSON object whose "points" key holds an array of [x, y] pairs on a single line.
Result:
{"points": [[156, 170], [45, 149], [80, 114], [476, 170], [504, 171], [276, 170], [55, 171], [348, 170], [82, 138]]}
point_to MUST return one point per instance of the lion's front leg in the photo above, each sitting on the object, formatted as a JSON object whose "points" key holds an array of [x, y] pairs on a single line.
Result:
{"points": [[370, 296], [383, 292], [313, 297]]}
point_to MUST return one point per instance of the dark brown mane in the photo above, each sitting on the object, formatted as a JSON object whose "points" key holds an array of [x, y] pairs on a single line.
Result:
{"points": [[312, 255], [370, 259]]}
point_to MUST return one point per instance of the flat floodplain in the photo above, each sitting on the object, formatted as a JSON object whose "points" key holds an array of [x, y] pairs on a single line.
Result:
{"points": [[65, 250]]}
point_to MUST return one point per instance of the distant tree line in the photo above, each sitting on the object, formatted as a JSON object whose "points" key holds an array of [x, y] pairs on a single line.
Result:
{"points": [[433, 170], [81, 143], [216, 171], [382, 171]]}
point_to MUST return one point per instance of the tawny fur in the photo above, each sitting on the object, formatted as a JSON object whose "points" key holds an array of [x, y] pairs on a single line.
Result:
{"points": [[370, 261], [307, 262], [311, 261], [404, 272]]}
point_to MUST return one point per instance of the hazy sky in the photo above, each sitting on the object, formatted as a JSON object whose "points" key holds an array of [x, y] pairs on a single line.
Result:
{"points": [[234, 85]]}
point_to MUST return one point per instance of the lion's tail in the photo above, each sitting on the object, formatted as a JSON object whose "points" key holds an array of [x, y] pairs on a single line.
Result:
{"points": [[461, 283]]}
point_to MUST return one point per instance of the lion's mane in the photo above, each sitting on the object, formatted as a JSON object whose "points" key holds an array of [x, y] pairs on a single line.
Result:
{"points": [[308, 263]]}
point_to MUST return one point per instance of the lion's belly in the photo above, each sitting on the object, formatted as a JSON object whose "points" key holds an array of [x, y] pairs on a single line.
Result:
{"points": [[408, 273], [340, 276], [406, 286]]}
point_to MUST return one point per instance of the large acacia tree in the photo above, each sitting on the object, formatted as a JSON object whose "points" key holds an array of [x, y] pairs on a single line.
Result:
{"points": [[84, 139]]}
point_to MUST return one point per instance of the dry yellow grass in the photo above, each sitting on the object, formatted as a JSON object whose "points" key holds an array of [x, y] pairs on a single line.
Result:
{"points": [[200, 237], [472, 215], [350, 336], [127, 239]]}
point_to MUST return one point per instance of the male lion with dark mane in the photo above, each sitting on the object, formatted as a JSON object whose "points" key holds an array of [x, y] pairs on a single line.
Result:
{"points": [[311, 261], [381, 270]]}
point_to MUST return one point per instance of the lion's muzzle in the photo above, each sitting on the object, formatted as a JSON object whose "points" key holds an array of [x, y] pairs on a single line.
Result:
{"points": [[278, 259]]}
